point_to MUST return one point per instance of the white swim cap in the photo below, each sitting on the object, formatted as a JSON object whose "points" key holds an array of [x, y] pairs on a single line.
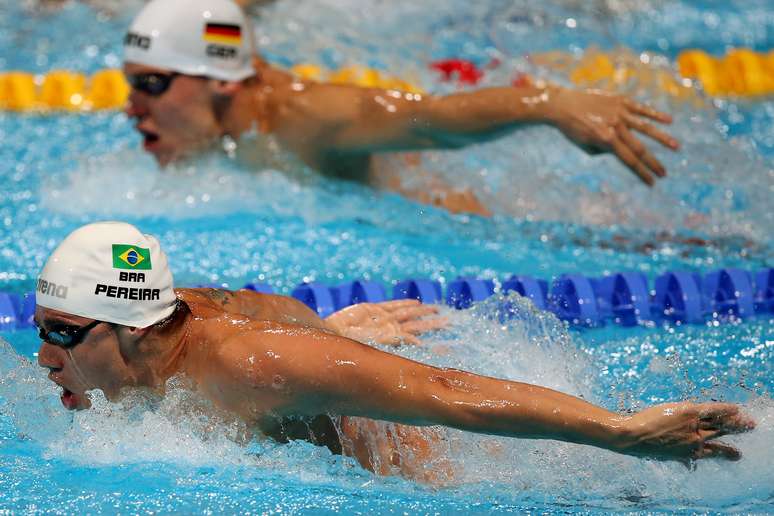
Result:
{"points": [[111, 272], [212, 38]]}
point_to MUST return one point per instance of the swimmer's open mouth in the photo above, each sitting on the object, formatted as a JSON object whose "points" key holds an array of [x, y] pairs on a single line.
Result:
{"points": [[148, 137], [68, 399], [72, 401]]}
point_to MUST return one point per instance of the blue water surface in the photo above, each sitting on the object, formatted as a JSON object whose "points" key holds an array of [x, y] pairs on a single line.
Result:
{"points": [[557, 210]]}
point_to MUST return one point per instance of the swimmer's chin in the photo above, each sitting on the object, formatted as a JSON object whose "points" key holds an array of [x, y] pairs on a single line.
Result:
{"points": [[82, 401], [73, 401], [167, 159], [167, 155], [163, 159]]}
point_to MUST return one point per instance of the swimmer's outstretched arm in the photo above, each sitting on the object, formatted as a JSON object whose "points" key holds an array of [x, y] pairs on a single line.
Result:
{"points": [[323, 373], [370, 120]]}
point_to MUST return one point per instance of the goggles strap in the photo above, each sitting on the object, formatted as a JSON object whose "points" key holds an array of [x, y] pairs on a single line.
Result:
{"points": [[78, 372]]}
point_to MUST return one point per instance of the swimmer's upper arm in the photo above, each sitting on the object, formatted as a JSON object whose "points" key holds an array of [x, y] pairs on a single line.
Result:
{"points": [[351, 119], [321, 372]]}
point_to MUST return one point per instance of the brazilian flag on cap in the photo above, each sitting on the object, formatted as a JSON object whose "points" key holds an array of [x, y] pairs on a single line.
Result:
{"points": [[131, 257]]}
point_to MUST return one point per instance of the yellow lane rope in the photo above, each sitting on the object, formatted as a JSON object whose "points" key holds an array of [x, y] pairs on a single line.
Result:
{"points": [[741, 72]]}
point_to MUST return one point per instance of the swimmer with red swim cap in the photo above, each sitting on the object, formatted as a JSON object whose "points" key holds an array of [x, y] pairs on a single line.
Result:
{"points": [[196, 77], [271, 363]]}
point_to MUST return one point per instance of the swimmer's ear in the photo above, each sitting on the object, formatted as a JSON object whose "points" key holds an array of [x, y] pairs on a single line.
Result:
{"points": [[128, 337], [133, 332], [138, 331], [225, 88]]}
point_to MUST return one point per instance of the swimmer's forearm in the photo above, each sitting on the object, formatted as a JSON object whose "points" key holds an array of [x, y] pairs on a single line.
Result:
{"points": [[365, 120], [485, 113], [515, 409]]}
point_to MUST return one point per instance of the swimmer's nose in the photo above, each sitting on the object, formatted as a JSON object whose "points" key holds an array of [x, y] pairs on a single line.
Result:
{"points": [[135, 106], [50, 357]]}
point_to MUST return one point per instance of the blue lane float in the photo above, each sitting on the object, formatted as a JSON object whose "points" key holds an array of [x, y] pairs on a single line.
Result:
{"points": [[730, 292], [623, 298], [527, 286], [8, 312], [572, 298], [678, 297], [629, 299], [603, 294], [316, 296], [26, 312], [463, 292], [354, 292], [423, 290], [764, 291]]}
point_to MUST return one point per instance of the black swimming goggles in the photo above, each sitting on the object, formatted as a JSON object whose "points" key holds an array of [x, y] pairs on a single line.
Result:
{"points": [[152, 83], [66, 336]]}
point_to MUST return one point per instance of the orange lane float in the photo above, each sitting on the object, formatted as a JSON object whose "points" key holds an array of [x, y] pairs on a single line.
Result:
{"points": [[354, 75], [61, 90], [741, 72], [621, 71]]}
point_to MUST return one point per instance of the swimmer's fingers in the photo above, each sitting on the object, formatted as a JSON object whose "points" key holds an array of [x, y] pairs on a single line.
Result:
{"points": [[425, 325], [641, 152], [647, 111], [397, 304], [414, 312], [651, 131], [630, 160], [724, 418], [718, 450], [407, 338]]}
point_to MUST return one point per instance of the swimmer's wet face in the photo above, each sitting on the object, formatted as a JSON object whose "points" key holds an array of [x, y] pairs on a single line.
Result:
{"points": [[184, 60], [81, 355], [174, 112]]}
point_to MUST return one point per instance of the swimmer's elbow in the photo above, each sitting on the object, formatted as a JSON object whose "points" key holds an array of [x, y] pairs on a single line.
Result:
{"points": [[456, 400], [433, 137]]}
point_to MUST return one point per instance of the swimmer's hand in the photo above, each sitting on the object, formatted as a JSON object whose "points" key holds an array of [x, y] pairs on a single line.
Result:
{"points": [[390, 322], [685, 431], [602, 121]]}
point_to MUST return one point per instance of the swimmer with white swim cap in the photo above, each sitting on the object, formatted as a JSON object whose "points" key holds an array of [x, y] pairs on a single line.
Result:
{"points": [[271, 362], [196, 77]]}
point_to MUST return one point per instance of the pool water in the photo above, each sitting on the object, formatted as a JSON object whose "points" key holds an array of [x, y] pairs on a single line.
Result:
{"points": [[557, 210]]}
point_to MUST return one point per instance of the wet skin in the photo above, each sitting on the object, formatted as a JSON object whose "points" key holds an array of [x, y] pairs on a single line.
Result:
{"points": [[100, 361], [339, 129], [265, 359]]}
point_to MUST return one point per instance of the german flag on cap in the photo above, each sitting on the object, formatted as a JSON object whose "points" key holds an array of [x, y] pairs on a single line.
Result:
{"points": [[223, 33]]}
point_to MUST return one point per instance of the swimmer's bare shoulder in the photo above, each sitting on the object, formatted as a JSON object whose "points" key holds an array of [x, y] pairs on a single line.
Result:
{"points": [[259, 369], [255, 305]]}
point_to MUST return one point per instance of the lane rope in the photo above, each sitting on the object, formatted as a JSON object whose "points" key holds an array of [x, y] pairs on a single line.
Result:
{"points": [[624, 298]]}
